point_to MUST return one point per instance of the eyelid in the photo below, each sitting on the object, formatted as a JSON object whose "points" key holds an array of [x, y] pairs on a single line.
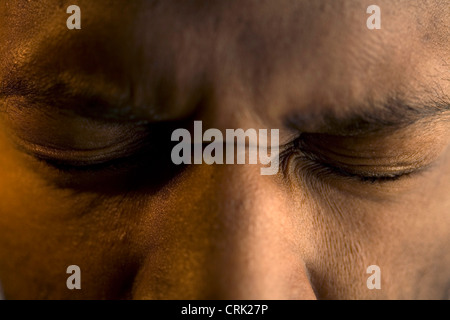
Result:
{"points": [[361, 177], [81, 157], [364, 173], [60, 130], [92, 167]]}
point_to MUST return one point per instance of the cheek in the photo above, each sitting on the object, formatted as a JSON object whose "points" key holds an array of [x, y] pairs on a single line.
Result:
{"points": [[404, 235], [43, 230]]}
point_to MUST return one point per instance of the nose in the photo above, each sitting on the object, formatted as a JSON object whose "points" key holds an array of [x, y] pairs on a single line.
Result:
{"points": [[227, 233]]}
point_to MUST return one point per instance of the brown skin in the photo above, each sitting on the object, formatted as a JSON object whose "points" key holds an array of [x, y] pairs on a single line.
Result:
{"points": [[225, 231]]}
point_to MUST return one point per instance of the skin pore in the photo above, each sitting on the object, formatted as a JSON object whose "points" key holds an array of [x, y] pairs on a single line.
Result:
{"points": [[85, 172]]}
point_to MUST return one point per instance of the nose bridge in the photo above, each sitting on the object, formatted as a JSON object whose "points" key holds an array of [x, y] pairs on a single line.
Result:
{"points": [[231, 236], [261, 251]]}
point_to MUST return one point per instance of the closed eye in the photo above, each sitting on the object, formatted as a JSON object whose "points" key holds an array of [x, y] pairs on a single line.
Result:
{"points": [[324, 168], [371, 161]]}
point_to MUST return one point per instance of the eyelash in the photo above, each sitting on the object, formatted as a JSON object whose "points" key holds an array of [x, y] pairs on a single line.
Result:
{"points": [[121, 163], [329, 169], [88, 168]]}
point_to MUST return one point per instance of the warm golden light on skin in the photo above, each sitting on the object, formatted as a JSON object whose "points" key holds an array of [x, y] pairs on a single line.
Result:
{"points": [[147, 229]]}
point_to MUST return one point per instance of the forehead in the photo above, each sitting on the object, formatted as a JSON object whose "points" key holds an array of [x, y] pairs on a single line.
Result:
{"points": [[266, 53]]}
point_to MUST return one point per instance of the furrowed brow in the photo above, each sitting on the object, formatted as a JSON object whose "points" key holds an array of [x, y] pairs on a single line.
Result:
{"points": [[391, 115]]}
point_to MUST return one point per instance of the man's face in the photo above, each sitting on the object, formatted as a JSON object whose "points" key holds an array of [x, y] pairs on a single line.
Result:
{"points": [[87, 180]]}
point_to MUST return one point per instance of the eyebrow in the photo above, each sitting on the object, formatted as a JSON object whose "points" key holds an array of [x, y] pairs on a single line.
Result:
{"points": [[365, 118], [370, 117], [85, 100]]}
